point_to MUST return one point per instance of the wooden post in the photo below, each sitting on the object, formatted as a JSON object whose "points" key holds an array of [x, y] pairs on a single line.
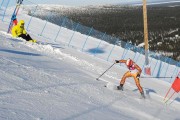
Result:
{"points": [[147, 67]]}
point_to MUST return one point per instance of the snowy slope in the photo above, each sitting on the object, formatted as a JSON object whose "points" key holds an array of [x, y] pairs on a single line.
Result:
{"points": [[50, 81]]}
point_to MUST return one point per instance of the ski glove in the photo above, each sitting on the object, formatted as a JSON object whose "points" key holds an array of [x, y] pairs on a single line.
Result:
{"points": [[117, 61]]}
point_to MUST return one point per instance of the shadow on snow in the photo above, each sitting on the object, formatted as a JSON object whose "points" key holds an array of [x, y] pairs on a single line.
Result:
{"points": [[96, 51], [19, 52]]}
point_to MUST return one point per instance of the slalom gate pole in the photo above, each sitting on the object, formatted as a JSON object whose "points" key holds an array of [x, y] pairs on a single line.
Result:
{"points": [[167, 93], [106, 71], [170, 97]]}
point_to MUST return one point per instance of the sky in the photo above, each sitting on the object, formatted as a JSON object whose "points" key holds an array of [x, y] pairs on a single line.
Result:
{"points": [[87, 2]]}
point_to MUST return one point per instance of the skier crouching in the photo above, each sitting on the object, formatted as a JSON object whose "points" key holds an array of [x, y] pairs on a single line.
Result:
{"points": [[19, 31], [134, 71]]}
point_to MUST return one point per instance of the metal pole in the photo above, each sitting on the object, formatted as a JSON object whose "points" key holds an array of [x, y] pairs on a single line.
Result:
{"points": [[45, 23], [163, 64], [135, 53], [31, 17], [105, 71], [125, 51], [60, 28], [174, 72], [167, 67], [2, 3], [99, 44], [110, 52], [73, 34], [87, 38], [139, 55], [43, 29], [155, 66], [5, 10]]}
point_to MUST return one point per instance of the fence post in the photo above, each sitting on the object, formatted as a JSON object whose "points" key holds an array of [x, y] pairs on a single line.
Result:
{"points": [[73, 34], [125, 51], [135, 54], [176, 69], [31, 18], [2, 3], [99, 44], [163, 65], [43, 28], [155, 67], [60, 28], [5, 10], [167, 67], [45, 24], [87, 38], [139, 55], [110, 52]]}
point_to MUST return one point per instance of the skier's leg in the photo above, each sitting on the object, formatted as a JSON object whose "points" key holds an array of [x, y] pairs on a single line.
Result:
{"points": [[138, 85], [26, 37], [127, 74], [23, 36], [30, 39]]}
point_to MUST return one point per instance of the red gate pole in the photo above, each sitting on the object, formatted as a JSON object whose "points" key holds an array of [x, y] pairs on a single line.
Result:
{"points": [[175, 86], [167, 93], [170, 97]]}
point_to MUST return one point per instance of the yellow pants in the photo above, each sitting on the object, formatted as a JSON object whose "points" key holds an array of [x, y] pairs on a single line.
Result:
{"points": [[134, 75]]}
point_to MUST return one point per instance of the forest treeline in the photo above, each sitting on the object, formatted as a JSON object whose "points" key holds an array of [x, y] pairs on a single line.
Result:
{"points": [[126, 23]]}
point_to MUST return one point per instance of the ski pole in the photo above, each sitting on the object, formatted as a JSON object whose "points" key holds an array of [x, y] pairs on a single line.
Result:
{"points": [[105, 71], [155, 77]]}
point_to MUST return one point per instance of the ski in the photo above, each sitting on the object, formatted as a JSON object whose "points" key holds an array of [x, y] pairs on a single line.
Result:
{"points": [[13, 18], [114, 87]]}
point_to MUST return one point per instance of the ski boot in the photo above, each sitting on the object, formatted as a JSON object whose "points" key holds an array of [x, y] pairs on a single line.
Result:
{"points": [[34, 41], [120, 87], [142, 95]]}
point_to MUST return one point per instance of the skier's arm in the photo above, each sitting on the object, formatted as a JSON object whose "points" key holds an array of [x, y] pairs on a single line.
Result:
{"points": [[120, 61], [139, 70], [24, 32], [14, 34]]}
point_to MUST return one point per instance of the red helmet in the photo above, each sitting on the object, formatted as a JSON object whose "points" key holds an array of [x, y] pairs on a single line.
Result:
{"points": [[129, 63]]}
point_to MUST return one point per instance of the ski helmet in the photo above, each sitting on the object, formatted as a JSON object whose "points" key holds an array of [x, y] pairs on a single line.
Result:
{"points": [[129, 63], [21, 22]]}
